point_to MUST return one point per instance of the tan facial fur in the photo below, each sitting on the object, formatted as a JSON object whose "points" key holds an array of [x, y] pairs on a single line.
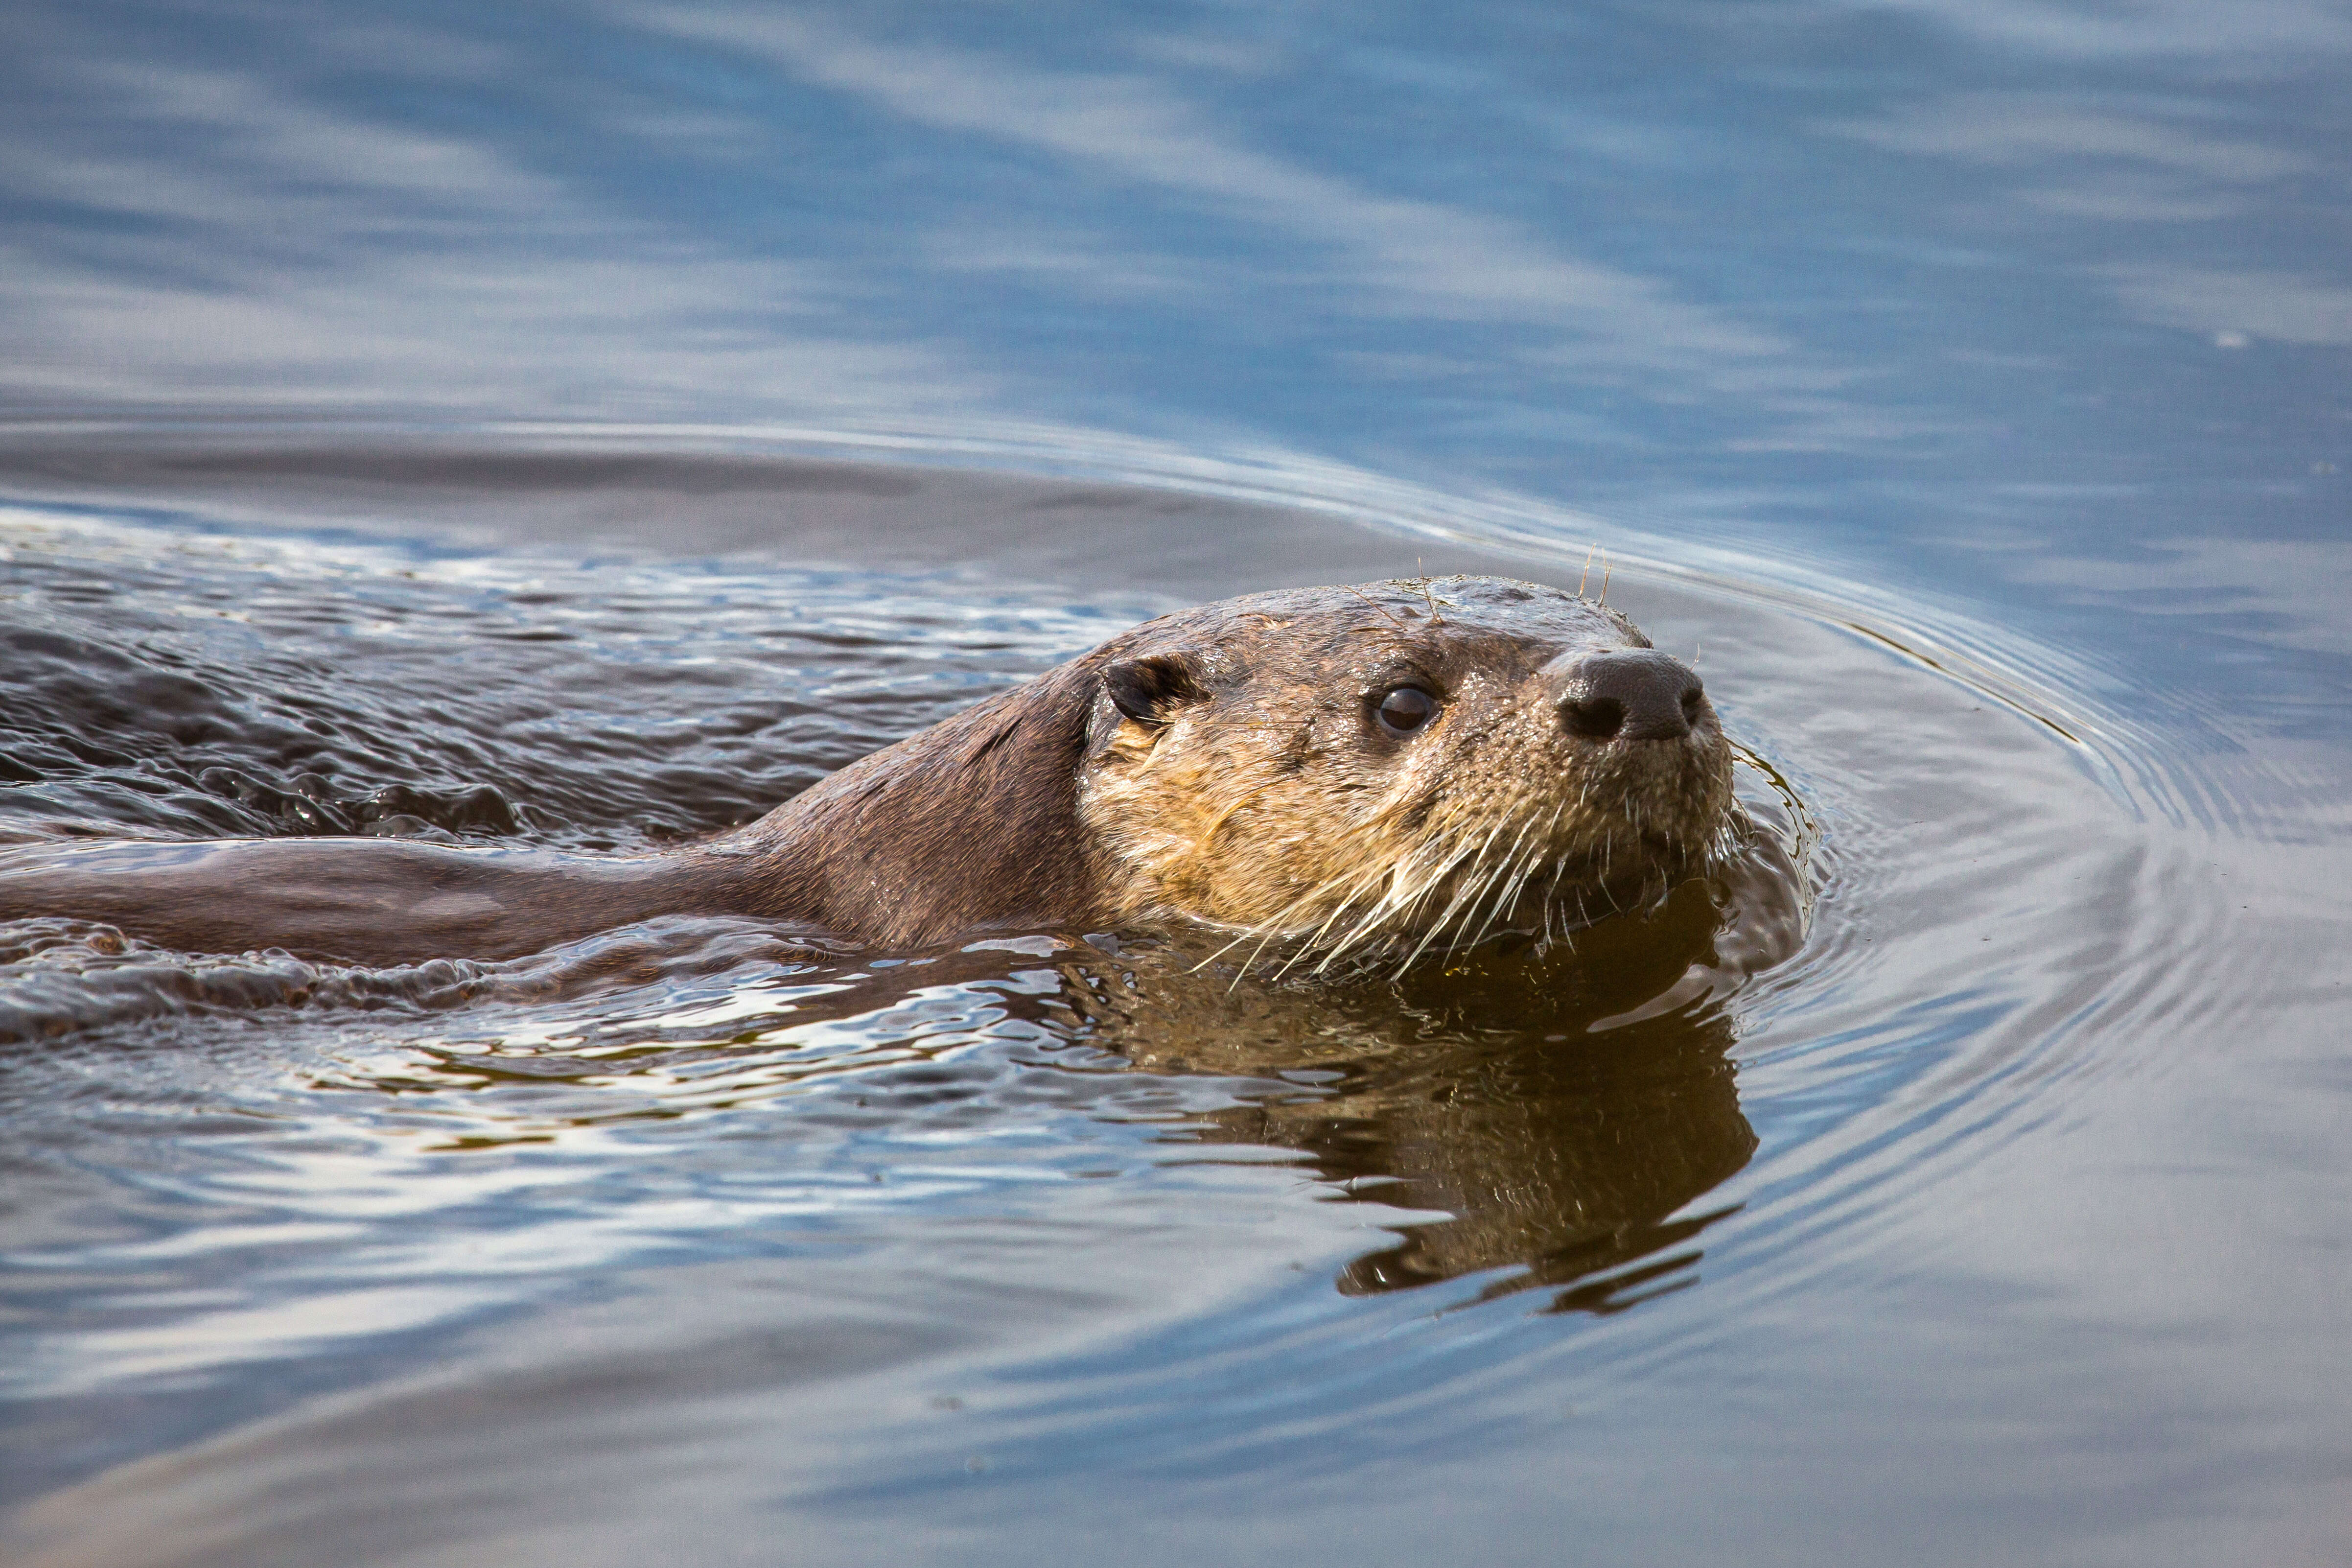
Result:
{"points": [[1267, 800]]}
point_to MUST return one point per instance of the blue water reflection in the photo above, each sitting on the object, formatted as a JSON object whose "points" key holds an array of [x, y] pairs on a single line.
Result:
{"points": [[1602, 251]]}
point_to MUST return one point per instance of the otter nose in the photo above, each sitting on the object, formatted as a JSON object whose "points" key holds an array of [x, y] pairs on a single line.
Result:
{"points": [[1629, 694]]}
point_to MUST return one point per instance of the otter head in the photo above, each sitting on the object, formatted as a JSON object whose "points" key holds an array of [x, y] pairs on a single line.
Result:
{"points": [[1390, 768]]}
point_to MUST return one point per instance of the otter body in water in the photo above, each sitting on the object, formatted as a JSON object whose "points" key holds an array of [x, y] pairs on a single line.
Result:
{"points": [[1358, 771]]}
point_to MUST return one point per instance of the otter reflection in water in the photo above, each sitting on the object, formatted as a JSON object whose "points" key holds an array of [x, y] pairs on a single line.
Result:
{"points": [[1331, 774], [1562, 1110]]}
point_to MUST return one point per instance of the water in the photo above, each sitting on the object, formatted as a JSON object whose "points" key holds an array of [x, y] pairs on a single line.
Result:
{"points": [[586, 427]]}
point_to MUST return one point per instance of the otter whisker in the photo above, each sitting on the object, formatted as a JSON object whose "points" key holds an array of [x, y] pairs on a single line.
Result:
{"points": [[1471, 887], [1389, 904], [1505, 886], [1381, 607], [1458, 912], [1267, 930], [1511, 888], [1275, 926], [1500, 876], [1338, 913]]}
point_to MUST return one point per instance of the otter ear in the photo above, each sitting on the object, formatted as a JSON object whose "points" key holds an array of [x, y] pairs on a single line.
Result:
{"points": [[1150, 690]]}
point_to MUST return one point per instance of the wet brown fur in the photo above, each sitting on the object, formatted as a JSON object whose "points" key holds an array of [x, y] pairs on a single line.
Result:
{"points": [[1277, 809], [1256, 794]]}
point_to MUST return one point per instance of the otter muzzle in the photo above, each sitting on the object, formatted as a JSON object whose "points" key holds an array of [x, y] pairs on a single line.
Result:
{"points": [[1625, 694]]}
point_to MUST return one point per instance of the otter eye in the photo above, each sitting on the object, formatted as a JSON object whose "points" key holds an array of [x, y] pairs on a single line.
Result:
{"points": [[1405, 710]]}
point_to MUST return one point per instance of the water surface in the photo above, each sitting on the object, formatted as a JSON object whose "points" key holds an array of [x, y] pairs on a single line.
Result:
{"points": [[585, 427]]}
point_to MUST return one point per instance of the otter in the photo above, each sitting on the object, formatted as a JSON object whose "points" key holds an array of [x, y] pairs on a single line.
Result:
{"points": [[1336, 774]]}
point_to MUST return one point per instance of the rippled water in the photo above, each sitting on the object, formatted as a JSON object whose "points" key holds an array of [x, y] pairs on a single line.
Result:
{"points": [[241, 1184], [585, 429]]}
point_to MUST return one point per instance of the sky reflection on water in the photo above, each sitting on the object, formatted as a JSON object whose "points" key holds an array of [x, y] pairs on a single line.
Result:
{"points": [[1544, 247]]}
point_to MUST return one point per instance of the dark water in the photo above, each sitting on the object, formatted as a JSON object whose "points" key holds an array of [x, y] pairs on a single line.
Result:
{"points": [[585, 428]]}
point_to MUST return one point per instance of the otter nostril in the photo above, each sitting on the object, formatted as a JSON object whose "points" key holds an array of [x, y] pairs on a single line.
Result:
{"points": [[1625, 694], [1596, 718]]}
